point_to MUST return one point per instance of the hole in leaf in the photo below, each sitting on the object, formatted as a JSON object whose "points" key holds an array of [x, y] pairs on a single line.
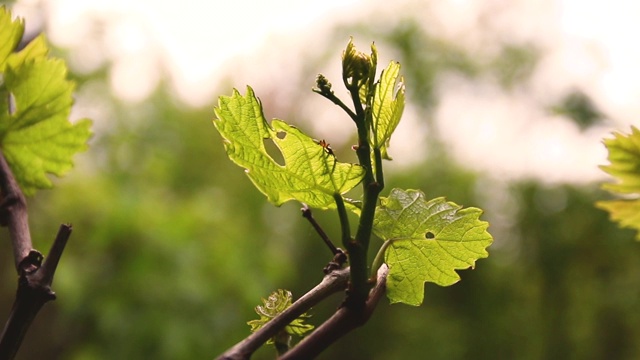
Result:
{"points": [[281, 135], [429, 235], [273, 151], [12, 103]]}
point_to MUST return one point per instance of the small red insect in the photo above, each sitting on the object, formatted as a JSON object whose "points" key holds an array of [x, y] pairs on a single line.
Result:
{"points": [[326, 147]]}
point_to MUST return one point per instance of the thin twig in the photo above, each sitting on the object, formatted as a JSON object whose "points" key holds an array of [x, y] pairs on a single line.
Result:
{"points": [[344, 219], [306, 213], [330, 284], [339, 256], [48, 269], [329, 95]]}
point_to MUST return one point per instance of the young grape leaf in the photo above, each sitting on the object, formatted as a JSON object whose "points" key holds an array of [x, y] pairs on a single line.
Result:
{"points": [[427, 241], [624, 156], [310, 173], [388, 105], [275, 304], [35, 49], [365, 97], [10, 34], [36, 136]]}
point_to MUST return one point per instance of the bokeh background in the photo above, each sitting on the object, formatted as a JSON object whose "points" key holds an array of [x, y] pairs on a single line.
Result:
{"points": [[172, 246]]}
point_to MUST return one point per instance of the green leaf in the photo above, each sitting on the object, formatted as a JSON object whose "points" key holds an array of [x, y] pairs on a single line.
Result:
{"points": [[41, 92], [388, 105], [35, 49], [624, 158], [310, 173], [427, 241], [624, 212], [10, 35], [36, 136], [273, 306], [365, 92]]}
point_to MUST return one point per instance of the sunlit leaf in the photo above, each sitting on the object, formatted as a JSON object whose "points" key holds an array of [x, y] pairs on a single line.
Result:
{"points": [[273, 306], [35, 49], [388, 105], [428, 241], [367, 87], [36, 136], [10, 35], [624, 158], [310, 173], [624, 212]]}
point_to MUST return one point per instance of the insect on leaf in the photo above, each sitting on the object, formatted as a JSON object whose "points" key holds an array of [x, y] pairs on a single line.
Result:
{"points": [[310, 173]]}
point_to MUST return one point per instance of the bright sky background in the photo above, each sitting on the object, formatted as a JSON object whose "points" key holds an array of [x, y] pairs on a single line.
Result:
{"points": [[588, 44]]}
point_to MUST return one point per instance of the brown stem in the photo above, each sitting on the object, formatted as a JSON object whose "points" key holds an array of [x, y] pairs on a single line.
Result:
{"points": [[35, 278], [13, 214], [48, 269], [339, 324], [30, 298], [331, 283], [306, 213]]}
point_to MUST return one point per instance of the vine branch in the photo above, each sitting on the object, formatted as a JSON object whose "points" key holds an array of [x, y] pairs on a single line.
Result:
{"points": [[35, 277], [13, 215], [340, 323], [358, 248], [330, 284]]}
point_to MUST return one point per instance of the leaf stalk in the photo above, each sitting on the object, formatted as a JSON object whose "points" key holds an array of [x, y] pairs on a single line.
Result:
{"points": [[344, 220]]}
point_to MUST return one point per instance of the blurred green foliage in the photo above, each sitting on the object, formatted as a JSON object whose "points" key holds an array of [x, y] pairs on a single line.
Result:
{"points": [[579, 107], [173, 247]]}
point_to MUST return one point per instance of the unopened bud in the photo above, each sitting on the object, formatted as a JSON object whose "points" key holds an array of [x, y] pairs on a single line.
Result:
{"points": [[323, 85], [355, 66]]}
